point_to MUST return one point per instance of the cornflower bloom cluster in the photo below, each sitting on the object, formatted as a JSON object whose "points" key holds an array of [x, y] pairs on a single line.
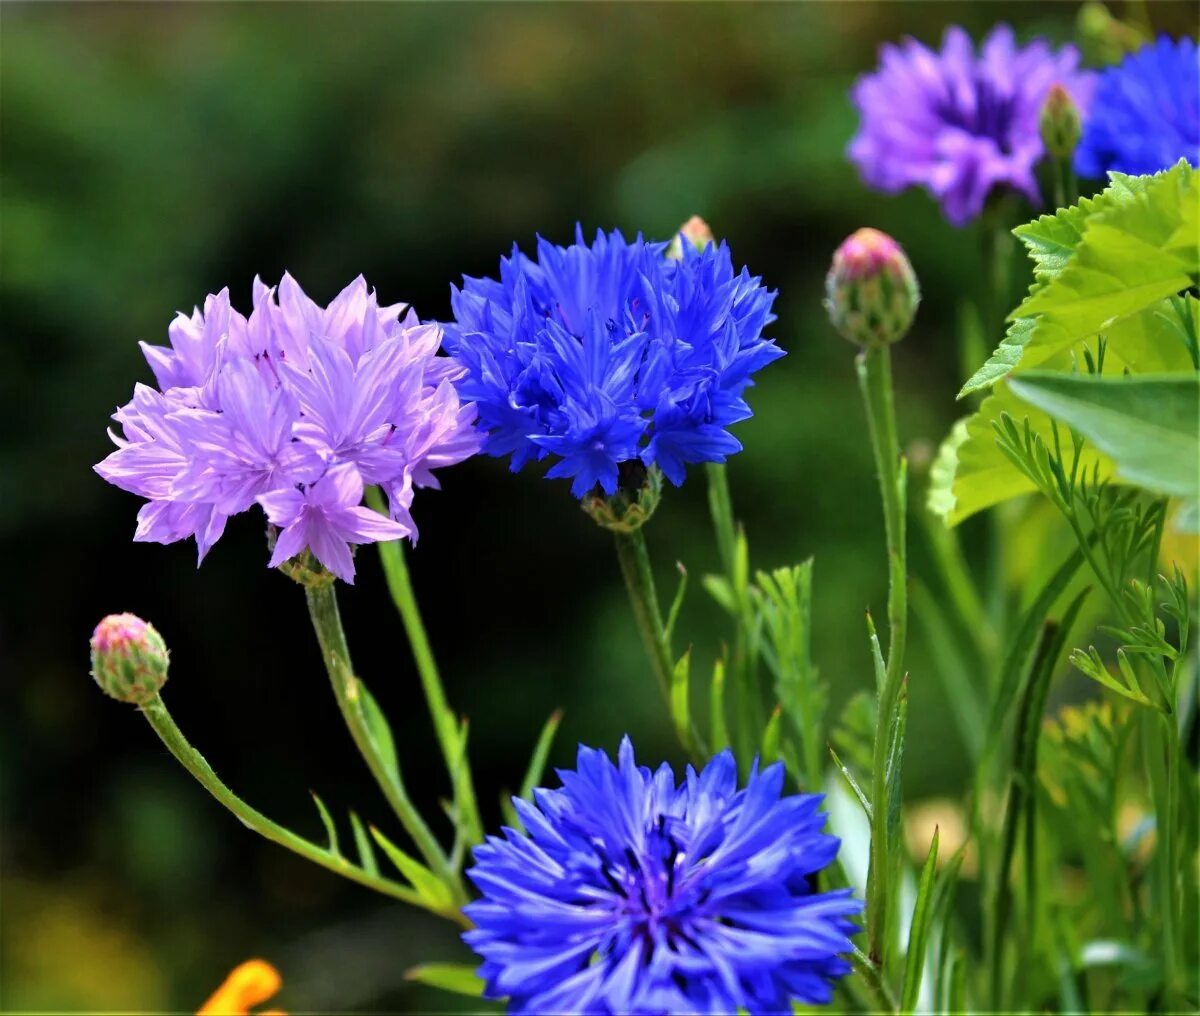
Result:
{"points": [[293, 408], [960, 124], [611, 353], [1146, 113], [632, 894]]}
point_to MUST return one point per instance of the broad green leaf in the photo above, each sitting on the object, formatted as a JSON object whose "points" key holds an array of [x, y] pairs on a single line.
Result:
{"points": [[940, 498], [1004, 359], [1149, 425], [1130, 257], [454, 977], [983, 474], [1098, 262], [918, 936], [425, 882]]}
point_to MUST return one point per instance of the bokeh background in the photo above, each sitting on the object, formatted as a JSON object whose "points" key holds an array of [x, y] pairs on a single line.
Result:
{"points": [[154, 153]]}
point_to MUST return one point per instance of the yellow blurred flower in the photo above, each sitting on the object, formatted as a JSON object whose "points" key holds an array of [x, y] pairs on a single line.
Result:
{"points": [[250, 983], [946, 816]]}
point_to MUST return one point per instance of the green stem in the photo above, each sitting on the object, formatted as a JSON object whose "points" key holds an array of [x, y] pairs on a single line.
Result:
{"points": [[349, 692], [748, 717], [395, 569], [875, 381], [634, 560], [191, 760], [872, 977]]}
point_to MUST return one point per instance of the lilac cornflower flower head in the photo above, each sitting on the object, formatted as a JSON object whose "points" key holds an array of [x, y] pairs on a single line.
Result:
{"points": [[957, 123], [1146, 113], [295, 408], [632, 894], [611, 353]]}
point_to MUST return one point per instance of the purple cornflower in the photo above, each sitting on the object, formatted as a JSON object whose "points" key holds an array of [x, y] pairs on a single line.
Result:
{"points": [[631, 894], [1146, 113], [960, 124], [610, 353], [294, 408]]}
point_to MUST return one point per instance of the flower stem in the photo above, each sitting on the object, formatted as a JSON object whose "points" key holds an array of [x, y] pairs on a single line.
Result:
{"points": [[875, 382], [634, 560], [872, 978], [169, 733], [444, 722], [351, 695]]}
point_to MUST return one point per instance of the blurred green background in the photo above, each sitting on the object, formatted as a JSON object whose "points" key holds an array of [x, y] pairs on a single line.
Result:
{"points": [[154, 153]]}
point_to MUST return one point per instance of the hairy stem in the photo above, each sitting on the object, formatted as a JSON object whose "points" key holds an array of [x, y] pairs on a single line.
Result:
{"points": [[875, 381], [349, 692], [444, 722]]}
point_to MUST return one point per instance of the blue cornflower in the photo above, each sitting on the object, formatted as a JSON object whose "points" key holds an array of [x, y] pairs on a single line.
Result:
{"points": [[610, 353], [632, 894], [1146, 113]]}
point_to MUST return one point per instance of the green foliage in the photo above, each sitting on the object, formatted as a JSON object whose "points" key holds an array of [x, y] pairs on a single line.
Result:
{"points": [[1108, 272], [453, 977], [1147, 425]]}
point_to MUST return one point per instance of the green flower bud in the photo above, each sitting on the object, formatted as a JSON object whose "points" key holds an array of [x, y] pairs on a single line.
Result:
{"points": [[871, 291], [695, 231], [129, 659], [638, 492], [1059, 124]]}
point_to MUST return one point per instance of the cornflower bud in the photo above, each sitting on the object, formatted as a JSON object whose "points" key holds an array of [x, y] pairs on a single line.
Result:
{"points": [[871, 291], [696, 231], [1059, 124], [129, 659]]}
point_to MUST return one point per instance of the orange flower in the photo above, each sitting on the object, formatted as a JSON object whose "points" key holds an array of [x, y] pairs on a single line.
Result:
{"points": [[250, 983]]}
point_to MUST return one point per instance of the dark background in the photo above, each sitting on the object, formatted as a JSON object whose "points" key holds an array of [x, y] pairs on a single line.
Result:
{"points": [[152, 154]]}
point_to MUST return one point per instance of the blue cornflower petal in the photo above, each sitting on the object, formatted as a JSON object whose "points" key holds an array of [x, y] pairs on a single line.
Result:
{"points": [[1146, 113], [610, 352], [631, 893]]}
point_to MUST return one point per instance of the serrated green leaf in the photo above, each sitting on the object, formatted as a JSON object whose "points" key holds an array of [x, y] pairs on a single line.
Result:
{"points": [[327, 822], [362, 843], [1148, 425], [1097, 263], [1004, 359], [918, 936], [940, 496], [425, 882], [455, 977], [1129, 257]]}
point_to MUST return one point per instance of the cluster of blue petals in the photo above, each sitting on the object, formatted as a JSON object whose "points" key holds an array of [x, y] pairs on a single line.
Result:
{"points": [[611, 352], [1146, 113], [632, 894]]}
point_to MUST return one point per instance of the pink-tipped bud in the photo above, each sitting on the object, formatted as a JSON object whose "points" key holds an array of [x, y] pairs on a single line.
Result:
{"points": [[695, 231], [871, 291], [1060, 125], [129, 659]]}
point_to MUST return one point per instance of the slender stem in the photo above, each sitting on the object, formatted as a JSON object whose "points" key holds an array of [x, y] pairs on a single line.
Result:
{"points": [[349, 692], [191, 760], [748, 718], [872, 977], [875, 381], [444, 723], [634, 559]]}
